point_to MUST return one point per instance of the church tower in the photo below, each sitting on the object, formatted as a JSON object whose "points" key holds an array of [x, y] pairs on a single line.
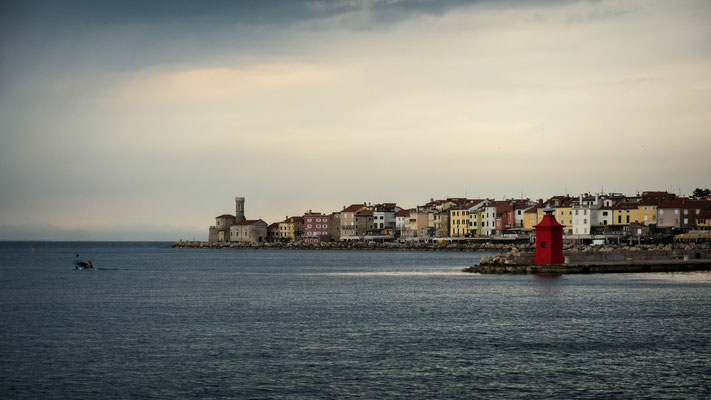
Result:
{"points": [[239, 209]]}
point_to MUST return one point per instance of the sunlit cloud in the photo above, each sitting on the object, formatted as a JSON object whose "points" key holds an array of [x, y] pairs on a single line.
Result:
{"points": [[224, 84]]}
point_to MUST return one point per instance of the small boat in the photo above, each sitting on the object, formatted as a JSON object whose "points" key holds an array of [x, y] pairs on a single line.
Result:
{"points": [[82, 265]]}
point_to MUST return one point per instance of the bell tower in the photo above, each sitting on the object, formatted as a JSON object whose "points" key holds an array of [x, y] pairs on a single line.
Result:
{"points": [[239, 209]]}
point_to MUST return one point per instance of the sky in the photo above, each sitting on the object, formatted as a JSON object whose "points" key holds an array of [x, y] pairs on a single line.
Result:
{"points": [[140, 120]]}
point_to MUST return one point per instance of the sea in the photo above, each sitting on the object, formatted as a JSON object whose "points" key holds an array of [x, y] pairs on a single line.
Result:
{"points": [[150, 321]]}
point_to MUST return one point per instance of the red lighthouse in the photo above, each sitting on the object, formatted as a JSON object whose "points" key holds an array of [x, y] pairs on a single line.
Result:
{"points": [[549, 240]]}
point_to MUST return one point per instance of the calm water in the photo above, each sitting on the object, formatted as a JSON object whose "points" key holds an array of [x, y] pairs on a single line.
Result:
{"points": [[155, 322]]}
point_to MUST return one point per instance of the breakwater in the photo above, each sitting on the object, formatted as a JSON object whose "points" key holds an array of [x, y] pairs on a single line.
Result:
{"points": [[348, 245], [606, 259], [596, 268]]}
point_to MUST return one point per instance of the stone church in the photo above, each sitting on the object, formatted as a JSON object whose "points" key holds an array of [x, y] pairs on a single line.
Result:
{"points": [[236, 228]]}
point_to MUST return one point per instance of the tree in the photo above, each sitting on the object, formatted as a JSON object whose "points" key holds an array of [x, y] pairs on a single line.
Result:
{"points": [[698, 193]]}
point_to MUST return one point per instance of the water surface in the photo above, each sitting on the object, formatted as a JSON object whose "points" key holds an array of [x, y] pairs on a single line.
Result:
{"points": [[151, 321]]}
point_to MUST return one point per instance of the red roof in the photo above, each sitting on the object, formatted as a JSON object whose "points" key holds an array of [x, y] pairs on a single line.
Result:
{"points": [[681, 203], [403, 213], [653, 198], [225, 216], [506, 207], [353, 208]]}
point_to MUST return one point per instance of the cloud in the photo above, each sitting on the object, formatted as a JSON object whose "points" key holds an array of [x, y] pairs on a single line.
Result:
{"points": [[166, 119], [223, 84]]}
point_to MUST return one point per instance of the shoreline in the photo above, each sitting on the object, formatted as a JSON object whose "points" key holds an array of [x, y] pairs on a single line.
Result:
{"points": [[421, 246]]}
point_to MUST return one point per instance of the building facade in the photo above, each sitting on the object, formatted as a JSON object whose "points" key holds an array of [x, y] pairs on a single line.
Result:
{"points": [[317, 228], [249, 231]]}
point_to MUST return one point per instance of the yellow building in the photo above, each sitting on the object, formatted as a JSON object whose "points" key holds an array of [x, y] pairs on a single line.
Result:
{"points": [[564, 216], [458, 222], [624, 213], [647, 213], [475, 222], [530, 218], [291, 229]]}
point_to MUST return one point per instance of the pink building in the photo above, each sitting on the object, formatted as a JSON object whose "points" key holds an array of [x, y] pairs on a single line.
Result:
{"points": [[317, 228]]}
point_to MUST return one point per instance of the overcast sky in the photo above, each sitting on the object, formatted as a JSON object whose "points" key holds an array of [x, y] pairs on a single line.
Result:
{"points": [[143, 120]]}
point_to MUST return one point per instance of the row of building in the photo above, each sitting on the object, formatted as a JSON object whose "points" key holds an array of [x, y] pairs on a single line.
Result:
{"points": [[583, 216]]}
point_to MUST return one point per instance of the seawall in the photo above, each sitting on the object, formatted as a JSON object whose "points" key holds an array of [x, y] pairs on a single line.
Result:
{"points": [[423, 246], [596, 268]]}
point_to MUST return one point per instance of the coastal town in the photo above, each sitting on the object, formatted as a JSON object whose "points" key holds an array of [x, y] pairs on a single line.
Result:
{"points": [[588, 218]]}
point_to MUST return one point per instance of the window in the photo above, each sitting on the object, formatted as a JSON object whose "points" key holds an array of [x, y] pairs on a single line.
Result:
{"points": [[661, 211], [543, 244], [585, 220], [604, 213], [686, 212], [628, 219], [676, 211], [576, 212], [309, 226], [686, 220]]}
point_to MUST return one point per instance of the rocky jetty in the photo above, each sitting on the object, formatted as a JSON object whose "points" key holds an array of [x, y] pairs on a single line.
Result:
{"points": [[602, 259], [436, 246]]}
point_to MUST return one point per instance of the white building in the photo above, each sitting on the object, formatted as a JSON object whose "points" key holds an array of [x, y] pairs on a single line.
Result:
{"points": [[402, 218]]}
